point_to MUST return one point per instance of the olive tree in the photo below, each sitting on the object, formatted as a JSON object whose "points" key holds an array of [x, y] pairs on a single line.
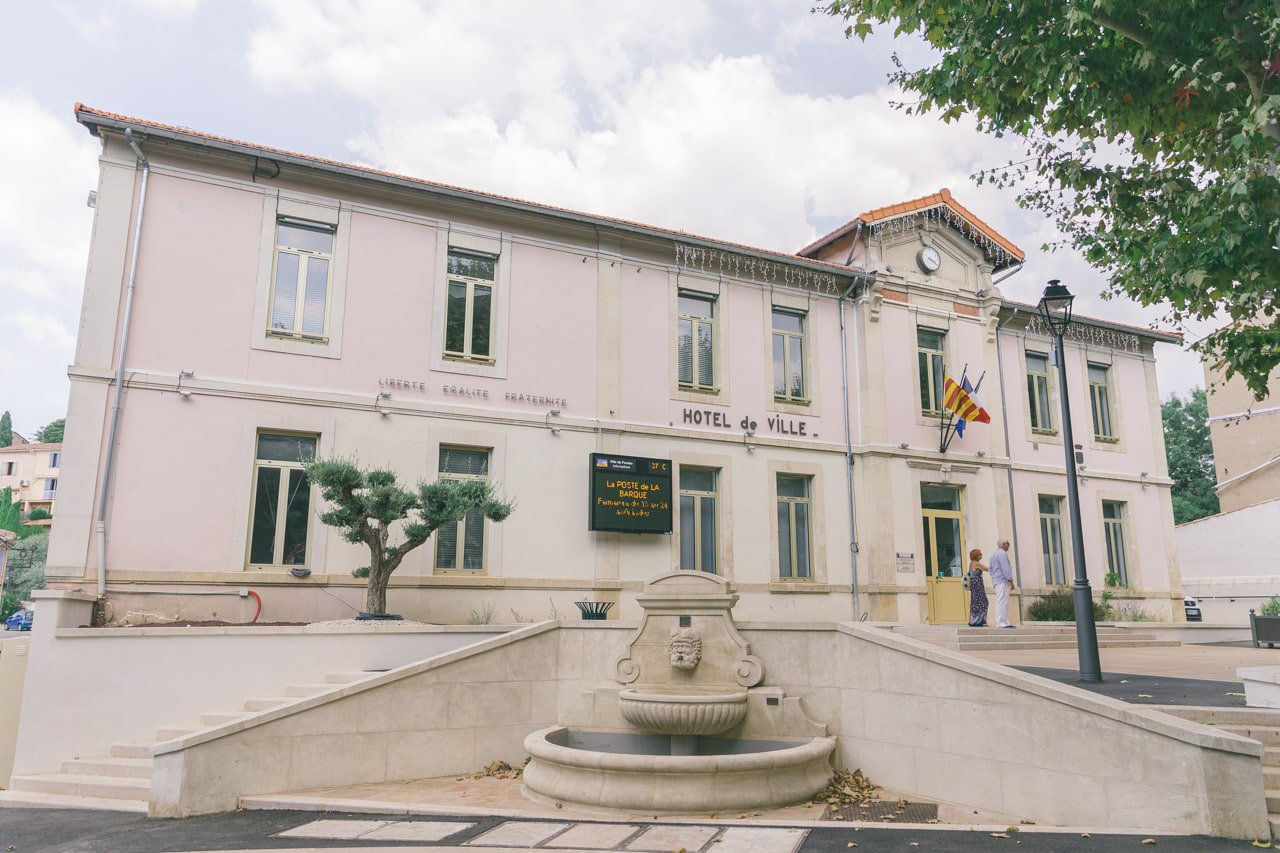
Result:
{"points": [[364, 504]]}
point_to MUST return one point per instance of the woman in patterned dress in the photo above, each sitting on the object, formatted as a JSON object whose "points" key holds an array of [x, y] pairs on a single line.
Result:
{"points": [[977, 590]]}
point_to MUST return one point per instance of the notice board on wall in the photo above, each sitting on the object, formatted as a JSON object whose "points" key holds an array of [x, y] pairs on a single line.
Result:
{"points": [[630, 494]]}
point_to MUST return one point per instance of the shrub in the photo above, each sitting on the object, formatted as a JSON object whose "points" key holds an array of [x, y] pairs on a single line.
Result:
{"points": [[38, 514], [1270, 608], [9, 603], [1059, 606], [1130, 612]]}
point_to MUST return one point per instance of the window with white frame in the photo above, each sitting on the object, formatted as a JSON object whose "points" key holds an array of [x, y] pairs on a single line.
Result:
{"points": [[794, 527], [469, 312], [1100, 401], [699, 519], [300, 280], [55, 459], [696, 341], [1038, 392], [932, 368], [7, 469], [1113, 524], [1051, 540], [460, 547], [50, 489], [788, 357], [280, 514]]}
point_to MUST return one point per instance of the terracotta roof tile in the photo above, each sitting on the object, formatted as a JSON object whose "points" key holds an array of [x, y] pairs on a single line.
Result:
{"points": [[943, 196], [82, 110]]}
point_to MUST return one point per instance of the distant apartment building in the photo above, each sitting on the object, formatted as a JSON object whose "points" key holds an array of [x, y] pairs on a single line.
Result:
{"points": [[1246, 439], [653, 400], [31, 470]]}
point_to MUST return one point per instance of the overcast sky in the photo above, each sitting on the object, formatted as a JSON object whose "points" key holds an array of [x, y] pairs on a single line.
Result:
{"points": [[756, 123]]}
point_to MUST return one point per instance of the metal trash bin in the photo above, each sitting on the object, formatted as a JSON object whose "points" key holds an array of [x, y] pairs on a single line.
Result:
{"points": [[594, 609]]}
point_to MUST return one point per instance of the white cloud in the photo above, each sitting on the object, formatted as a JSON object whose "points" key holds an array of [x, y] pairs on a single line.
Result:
{"points": [[44, 242]]}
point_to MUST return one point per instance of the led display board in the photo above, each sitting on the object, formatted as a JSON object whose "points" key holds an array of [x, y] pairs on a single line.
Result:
{"points": [[630, 494]]}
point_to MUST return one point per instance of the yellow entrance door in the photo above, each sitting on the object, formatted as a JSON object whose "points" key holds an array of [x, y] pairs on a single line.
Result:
{"points": [[944, 555]]}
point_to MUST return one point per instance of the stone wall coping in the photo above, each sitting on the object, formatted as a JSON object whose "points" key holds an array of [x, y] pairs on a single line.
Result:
{"points": [[270, 630], [1152, 720], [68, 594], [356, 688], [1268, 674]]}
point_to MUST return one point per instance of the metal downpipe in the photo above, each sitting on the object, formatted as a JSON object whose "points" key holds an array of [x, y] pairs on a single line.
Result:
{"points": [[848, 446], [108, 463]]}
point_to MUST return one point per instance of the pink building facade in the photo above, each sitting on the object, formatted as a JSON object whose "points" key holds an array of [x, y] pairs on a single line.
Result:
{"points": [[247, 309]]}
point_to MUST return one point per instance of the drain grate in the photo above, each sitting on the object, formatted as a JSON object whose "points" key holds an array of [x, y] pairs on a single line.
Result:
{"points": [[889, 811]]}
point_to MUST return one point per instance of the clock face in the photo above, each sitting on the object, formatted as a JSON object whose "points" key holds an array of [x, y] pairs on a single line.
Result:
{"points": [[929, 259]]}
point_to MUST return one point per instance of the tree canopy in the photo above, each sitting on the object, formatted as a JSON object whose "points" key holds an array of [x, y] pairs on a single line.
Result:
{"points": [[1189, 450], [51, 433], [363, 504], [6, 429], [1152, 140]]}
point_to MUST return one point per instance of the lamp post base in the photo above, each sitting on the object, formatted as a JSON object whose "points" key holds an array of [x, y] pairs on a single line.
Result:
{"points": [[1086, 633]]}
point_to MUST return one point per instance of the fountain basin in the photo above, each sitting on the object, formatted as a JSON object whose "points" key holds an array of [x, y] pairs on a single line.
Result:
{"points": [[683, 711], [630, 770]]}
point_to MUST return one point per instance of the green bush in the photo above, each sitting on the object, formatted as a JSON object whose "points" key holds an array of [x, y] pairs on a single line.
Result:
{"points": [[1270, 608], [1060, 606], [38, 514], [8, 604]]}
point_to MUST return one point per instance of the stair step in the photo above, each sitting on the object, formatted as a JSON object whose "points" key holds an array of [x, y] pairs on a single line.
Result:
{"points": [[77, 785], [1270, 777], [300, 690], [1226, 716], [1266, 735], [130, 749], [1020, 641], [221, 718], [345, 677], [37, 800], [1274, 820], [172, 733], [266, 703], [1273, 800], [134, 768]]}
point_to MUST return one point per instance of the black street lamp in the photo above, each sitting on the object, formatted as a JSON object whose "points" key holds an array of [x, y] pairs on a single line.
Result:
{"points": [[1055, 309]]}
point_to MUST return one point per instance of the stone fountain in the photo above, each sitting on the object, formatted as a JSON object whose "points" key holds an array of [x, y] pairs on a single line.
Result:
{"points": [[693, 729]]}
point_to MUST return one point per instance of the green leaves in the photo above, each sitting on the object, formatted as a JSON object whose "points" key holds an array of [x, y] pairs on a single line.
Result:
{"points": [[1189, 451], [1188, 99]]}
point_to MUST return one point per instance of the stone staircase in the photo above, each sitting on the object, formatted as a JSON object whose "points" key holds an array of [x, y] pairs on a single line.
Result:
{"points": [[1260, 724], [1029, 635], [121, 779]]}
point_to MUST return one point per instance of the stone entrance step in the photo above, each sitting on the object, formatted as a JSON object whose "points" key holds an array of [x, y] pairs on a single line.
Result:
{"points": [[1026, 636], [121, 780]]}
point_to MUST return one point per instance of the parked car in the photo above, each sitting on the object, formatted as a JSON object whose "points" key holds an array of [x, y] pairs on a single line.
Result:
{"points": [[1193, 610], [20, 620]]}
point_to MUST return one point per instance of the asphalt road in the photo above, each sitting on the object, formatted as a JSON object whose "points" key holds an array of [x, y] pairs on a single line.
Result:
{"points": [[73, 831]]}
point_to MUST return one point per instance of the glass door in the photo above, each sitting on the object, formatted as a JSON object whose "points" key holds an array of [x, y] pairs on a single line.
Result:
{"points": [[945, 564]]}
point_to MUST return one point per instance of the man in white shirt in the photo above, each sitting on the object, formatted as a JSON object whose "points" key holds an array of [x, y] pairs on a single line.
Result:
{"points": [[1002, 579]]}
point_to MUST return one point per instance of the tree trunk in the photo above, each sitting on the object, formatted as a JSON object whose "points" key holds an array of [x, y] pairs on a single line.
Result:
{"points": [[375, 600]]}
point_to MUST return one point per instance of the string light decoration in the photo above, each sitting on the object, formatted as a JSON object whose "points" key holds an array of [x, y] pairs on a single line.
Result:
{"points": [[1093, 336], [942, 214], [714, 261]]}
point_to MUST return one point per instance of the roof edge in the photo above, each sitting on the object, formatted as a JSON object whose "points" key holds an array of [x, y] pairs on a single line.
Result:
{"points": [[93, 120]]}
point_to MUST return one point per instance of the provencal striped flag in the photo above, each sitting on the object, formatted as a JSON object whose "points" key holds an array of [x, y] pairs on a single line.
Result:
{"points": [[955, 399]]}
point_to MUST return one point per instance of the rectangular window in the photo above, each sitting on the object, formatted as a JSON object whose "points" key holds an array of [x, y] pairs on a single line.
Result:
{"points": [[1038, 392], [1100, 401], [696, 342], [932, 369], [1051, 540], [6, 469], [300, 280], [788, 357], [468, 331], [50, 489], [794, 535], [281, 510], [55, 459], [460, 547], [699, 519], [1113, 518]]}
